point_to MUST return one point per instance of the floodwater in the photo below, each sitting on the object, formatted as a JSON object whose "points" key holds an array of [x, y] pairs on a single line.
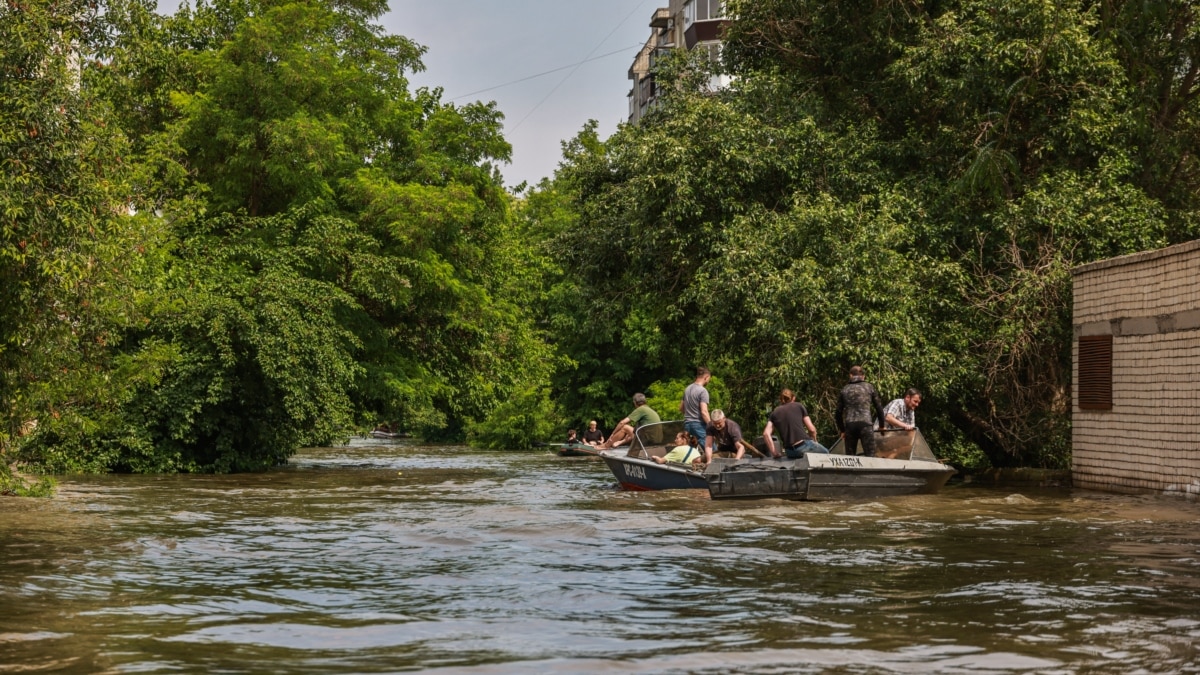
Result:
{"points": [[391, 558]]}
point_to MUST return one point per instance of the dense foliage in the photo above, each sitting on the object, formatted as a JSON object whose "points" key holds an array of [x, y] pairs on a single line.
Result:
{"points": [[256, 238], [900, 184], [63, 250], [235, 230]]}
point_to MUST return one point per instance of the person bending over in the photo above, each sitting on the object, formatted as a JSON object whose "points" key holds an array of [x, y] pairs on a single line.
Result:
{"points": [[723, 435]]}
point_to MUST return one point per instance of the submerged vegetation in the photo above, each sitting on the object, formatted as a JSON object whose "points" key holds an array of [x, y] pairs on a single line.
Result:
{"points": [[235, 231]]}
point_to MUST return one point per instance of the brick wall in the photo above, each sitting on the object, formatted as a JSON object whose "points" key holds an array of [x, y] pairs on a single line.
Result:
{"points": [[1150, 440]]}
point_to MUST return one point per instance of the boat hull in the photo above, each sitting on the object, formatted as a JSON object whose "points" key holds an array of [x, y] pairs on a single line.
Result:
{"points": [[641, 474], [578, 450], [818, 477]]}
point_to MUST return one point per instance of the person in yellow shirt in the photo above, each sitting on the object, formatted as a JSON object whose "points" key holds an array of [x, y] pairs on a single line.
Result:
{"points": [[686, 449]]}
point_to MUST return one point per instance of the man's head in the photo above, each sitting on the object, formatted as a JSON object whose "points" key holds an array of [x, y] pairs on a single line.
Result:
{"points": [[639, 399], [856, 372], [786, 396], [592, 425], [702, 375], [718, 418], [912, 398]]}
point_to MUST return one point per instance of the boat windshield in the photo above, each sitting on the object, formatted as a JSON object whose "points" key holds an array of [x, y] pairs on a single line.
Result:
{"points": [[654, 439], [894, 444]]}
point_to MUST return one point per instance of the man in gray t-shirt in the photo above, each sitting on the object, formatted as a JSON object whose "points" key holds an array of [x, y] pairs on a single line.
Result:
{"points": [[694, 406]]}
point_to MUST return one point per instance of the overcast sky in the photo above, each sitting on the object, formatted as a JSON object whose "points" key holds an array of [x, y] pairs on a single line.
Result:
{"points": [[475, 45], [478, 44]]}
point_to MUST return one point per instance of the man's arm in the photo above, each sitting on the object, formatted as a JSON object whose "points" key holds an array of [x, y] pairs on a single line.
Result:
{"points": [[812, 430], [767, 431], [704, 412], [738, 441]]}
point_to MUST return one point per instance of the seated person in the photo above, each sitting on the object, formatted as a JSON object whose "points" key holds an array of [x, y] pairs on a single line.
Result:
{"points": [[593, 436], [623, 432], [796, 430], [724, 435], [572, 438], [685, 450]]}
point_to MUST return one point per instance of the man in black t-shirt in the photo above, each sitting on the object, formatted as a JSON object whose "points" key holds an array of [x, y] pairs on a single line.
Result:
{"points": [[796, 430], [722, 435], [593, 436]]}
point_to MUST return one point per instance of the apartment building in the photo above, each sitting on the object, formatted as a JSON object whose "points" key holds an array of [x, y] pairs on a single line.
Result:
{"points": [[690, 24]]}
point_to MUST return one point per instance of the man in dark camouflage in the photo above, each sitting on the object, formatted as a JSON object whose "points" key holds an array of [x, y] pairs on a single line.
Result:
{"points": [[853, 415]]}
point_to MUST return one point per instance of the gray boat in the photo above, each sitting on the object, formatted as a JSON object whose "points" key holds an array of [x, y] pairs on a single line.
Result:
{"points": [[904, 465], [636, 469]]}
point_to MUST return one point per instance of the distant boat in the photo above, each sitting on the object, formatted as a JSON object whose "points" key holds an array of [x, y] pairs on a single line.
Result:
{"points": [[905, 466], [577, 450], [635, 470], [379, 433]]}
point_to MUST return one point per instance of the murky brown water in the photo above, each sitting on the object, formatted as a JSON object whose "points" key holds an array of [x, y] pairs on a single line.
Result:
{"points": [[398, 558]]}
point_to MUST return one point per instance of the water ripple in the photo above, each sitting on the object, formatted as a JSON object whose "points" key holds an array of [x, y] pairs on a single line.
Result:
{"points": [[388, 557]]}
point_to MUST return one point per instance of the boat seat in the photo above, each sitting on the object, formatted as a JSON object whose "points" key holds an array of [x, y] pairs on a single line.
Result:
{"points": [[894, 444]]}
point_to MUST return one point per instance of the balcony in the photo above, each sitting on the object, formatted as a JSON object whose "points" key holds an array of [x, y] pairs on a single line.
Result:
{"points": [[703, 21], [661, 18], [704, 31]]}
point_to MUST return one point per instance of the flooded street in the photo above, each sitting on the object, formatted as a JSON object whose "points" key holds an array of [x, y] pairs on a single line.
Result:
{"points": [[387, 558]]}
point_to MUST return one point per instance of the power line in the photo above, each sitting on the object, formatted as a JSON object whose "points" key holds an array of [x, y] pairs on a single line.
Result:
{"points": [[548, 72], [586, 58]]}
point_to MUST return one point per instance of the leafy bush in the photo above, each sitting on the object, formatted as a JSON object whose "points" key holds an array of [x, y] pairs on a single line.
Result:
{"points": [[519, 422]]}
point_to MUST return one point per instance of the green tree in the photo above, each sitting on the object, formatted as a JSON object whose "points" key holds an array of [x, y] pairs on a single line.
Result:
{"points": [[65, 250], [323, 249], [306, 102], [243, 357], [896, 184]]}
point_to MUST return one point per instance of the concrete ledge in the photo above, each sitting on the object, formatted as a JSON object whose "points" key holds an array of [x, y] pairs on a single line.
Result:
{"points": [[1144, 256], [1096, 328], [1188, 320], [1134, 326], [1145, 325]]}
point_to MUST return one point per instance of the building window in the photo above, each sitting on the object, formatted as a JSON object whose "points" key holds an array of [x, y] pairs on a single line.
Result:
{"points": [[1094, 388], [666, 37], [702, 10], [711, 52]]}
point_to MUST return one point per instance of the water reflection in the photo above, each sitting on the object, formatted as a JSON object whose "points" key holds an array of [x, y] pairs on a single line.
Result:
{"points": [[379, 558]]}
